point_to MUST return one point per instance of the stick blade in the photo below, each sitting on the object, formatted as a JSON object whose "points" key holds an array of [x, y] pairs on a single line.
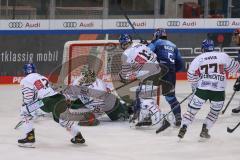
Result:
{"points": [[229, 130], [223, 112]]}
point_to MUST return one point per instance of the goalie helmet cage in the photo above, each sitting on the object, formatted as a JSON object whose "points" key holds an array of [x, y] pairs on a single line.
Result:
{"points": [[102, 56]]}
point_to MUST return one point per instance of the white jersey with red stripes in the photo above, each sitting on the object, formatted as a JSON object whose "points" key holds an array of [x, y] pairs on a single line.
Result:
{"points": [[133, 60], [95, 103], [35, 86], [209, 70]]}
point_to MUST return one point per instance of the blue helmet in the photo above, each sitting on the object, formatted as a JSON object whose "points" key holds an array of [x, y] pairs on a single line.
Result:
{"points": [[29, 68], [160, 33], [124, 40], [207, 45]]}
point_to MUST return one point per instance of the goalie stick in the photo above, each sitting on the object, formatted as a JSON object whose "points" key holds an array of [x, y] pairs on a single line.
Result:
{"points": [[229, 130], [159, 129], [230, 100]]}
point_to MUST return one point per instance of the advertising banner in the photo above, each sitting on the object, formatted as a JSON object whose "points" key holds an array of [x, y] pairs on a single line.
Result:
{"points": [[46, 50]]}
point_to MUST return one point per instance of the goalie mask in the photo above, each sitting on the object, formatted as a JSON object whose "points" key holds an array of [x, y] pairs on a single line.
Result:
{"points": [[236, 36], [125, 41], [29, 68]]}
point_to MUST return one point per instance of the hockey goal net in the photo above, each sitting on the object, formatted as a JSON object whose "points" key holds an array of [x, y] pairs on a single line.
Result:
{"points": [[102, 56]]}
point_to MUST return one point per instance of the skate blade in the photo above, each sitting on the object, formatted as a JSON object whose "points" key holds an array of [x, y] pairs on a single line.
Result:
{"points": [[179, 140], [202, 140], [27, 145]]}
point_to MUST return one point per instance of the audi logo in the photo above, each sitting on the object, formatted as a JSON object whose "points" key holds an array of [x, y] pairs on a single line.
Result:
{"points": [[15, 25], [122, 24], [173, 23], [222, 23], [69, 24]]}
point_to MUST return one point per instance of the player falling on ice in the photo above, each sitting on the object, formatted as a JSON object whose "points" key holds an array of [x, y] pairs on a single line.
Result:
{"points": [[38, 94], [169, 56], [207, 74], [236, 86], [139, 62], [97, 106]]}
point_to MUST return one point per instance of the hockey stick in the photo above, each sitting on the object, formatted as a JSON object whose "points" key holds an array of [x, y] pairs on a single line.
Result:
{"points": [[130, 23], [229, 130], [20, 123], [158, 130], [230, 100]]}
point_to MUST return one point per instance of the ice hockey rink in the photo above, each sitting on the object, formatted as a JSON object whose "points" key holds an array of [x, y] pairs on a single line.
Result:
{"points": [[116, 140]]}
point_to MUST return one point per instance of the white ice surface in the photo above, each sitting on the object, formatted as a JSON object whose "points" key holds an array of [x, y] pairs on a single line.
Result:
{"points": [[115, 140]]}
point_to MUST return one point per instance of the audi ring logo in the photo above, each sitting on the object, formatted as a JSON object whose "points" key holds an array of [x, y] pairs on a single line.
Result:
{"points": [[173, 23], [15, 25], [222, 23], [69, 24], [122, 24]]}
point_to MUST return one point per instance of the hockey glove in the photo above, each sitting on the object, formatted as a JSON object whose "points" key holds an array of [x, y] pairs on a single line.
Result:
{"points": [[236, 86], [143, 41]]}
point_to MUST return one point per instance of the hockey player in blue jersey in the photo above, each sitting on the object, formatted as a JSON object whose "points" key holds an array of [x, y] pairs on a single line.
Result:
{"points": [[169, 56]]}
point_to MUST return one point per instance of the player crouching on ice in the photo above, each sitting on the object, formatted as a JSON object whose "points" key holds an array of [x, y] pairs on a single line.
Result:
{"points": [[38, 94], [207, 73], [140, 63], [94, 105]]}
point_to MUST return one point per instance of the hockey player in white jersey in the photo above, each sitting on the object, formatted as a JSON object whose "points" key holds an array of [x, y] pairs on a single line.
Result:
{"points": [[207, 74], [97, 106], [38, 94], [140, 63]]}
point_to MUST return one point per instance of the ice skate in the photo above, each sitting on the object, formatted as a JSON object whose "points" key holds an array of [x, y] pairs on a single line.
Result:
{"points": [[78, 139], [29, 141], [204, 133], [182, 131], [178, 120], [145, 122], [236, 110]]}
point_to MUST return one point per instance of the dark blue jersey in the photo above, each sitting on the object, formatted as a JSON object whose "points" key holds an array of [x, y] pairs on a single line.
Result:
{"points": [[238, 58], [167, 54]]}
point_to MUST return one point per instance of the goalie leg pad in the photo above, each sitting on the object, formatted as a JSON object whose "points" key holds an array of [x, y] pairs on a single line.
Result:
{"points": [[149, 110]]}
